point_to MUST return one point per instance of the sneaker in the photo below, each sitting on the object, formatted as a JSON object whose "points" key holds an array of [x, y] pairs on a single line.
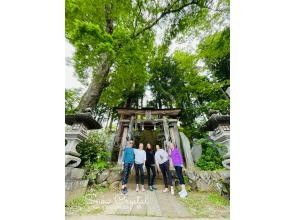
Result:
{"points": [[137, 188], [183, 194], [165, 190], [154, 188], [172, 190], [143, 190], [124, 190], [150, 188]]}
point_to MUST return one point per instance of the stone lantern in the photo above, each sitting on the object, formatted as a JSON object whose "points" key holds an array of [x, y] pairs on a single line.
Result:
{"points": [[219, 131], [80, 124]]}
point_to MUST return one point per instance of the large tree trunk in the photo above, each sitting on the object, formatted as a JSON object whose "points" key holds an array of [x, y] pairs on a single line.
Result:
{"points": [[91, 97], [98, 83]]}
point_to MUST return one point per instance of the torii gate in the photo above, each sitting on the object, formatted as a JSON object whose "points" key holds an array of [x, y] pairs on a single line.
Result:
{"points": [[131, 119]]}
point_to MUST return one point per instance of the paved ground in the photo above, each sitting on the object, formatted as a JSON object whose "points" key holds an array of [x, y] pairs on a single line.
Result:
{"points": [[145, 205], [155, 204], [148, 204], [117, 217]]}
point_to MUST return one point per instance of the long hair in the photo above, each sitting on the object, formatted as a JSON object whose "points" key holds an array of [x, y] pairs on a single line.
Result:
{"points": [[150, 147]]}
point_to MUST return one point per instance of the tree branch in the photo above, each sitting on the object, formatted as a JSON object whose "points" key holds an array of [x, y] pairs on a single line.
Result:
{"points": [[169, 10]]}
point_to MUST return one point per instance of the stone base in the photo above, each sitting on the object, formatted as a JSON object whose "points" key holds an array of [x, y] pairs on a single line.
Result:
{"points": [[72, 161], [75, 188], [72, 173]]}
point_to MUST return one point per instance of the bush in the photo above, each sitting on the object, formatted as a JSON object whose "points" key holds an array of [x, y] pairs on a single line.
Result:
{"points": [[94, 153], [210, 158], [193, 130]]}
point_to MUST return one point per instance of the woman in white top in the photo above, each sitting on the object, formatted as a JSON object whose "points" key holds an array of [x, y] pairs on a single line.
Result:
{"points": [[140, 158], [161, 158]]}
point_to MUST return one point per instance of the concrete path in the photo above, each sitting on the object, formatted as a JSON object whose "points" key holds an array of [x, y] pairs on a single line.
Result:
{"points": [[146, 205], [117, 217], [154, 204]]}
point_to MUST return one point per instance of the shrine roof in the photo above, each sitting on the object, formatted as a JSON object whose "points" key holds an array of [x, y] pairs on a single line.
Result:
{"points": [[153, 111]]}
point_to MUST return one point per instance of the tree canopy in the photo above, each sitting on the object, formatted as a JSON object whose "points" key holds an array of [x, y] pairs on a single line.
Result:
{"points": [[117, 55]]}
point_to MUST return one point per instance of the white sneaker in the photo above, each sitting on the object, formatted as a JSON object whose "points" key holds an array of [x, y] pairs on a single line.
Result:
{"points": [[137, 188], [172, 191], [183, 194], [165, 190]]}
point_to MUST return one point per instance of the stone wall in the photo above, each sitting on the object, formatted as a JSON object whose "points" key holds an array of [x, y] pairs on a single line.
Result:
{"points": [[75, 185], [75, 188], [218, 181], [110, 178]]}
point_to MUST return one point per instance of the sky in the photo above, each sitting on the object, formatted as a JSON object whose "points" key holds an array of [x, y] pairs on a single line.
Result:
{"points": [[71, 80]]}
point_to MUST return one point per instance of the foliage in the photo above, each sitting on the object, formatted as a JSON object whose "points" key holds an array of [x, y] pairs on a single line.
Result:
{"points": [[176, 83], [94, 153], [193, 131], [72, 97], [214, 50], [210, 158], [121, 34]]}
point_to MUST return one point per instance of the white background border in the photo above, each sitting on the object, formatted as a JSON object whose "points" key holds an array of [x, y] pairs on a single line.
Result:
{"points": [[32, 109]]}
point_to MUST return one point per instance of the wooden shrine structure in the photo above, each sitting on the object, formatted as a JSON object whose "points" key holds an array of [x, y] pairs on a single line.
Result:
{"points": [[147, 118]]}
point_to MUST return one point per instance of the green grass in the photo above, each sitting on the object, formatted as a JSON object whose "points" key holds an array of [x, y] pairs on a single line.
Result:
{"points": [[78, 202], [206, 205], [218, 200], [84, 204]]}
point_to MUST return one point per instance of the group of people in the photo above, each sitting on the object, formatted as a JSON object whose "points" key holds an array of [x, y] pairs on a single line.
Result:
{"points": [[152, 159]]}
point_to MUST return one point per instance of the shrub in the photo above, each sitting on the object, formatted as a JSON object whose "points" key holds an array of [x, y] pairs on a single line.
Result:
{"points": [[94, 153], [210, 158]]}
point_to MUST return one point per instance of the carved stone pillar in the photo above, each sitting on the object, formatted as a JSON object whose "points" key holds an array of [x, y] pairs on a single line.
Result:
{"points": [[123, 144], [130, 130], [74, 136], [187, 151], [175, 136], [166, 133]]}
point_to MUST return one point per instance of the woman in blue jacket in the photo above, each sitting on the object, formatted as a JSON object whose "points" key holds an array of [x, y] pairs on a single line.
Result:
{"points": [[128, 158]]}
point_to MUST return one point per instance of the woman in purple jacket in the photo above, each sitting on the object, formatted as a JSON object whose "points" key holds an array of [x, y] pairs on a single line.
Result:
{"points": [[177, 160]]}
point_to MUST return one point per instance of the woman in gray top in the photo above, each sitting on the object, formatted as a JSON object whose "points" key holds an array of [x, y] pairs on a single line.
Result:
{"points": [[162, 161], [140, 158]]}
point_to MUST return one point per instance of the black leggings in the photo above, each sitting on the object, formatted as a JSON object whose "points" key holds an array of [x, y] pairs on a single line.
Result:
{"points": [[180, 174], [139, 169], [151, 179], [167, 177]]}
